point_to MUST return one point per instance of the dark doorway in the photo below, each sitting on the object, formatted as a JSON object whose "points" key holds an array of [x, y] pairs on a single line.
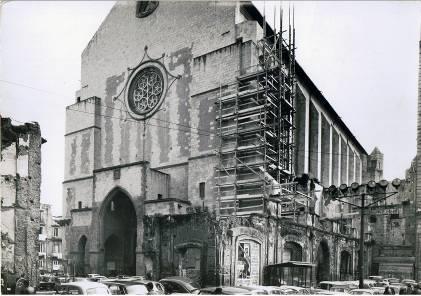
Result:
{"points": [[323, 262], [81, 248], [119, 230], [292, 252], [345, 266]]}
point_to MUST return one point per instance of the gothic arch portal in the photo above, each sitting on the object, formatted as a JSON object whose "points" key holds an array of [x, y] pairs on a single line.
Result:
{"points": [[81, 256], [118, 233], [345, 266], [292, 252], [323, 262]]}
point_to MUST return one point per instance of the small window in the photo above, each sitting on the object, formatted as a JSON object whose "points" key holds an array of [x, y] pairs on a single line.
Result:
{"points": [[55, 231], [159, 196], [79, 204], [373, 219], [41, 230], [117, 174], [394, 216], [202, 190]]}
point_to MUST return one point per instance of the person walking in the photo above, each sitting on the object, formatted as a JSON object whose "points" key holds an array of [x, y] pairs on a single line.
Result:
{"points": [[388, 291], [21, 285]]}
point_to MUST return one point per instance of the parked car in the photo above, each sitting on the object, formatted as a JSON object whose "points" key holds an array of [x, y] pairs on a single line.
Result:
{"points": [[363, 292], [98, 278], [46, 288], [254, 290], [376, 278], [83, 288], [339, 286], [275, 290], [223, 290], [298, 290], [178, 284], [321, 292], [408, 281], [158, 288], [393, 280], [121, 287]]}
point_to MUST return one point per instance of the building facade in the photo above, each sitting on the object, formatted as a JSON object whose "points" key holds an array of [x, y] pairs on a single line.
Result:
{"points": [[418, 182], [391, 226], [182, 139], [20, 180], [50, 243]]}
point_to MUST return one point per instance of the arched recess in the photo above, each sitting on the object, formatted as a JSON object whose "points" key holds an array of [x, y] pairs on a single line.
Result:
{"points": [[191, 260], [248, 261], [323, 262], [345, 266], [292, 252], [81, 251], [118, 233]]}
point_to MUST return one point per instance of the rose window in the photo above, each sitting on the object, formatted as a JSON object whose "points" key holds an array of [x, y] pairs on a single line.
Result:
{"points": [[145, 91]]}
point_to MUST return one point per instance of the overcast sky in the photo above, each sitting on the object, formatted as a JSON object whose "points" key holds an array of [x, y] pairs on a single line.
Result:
{"points": [[363, 56]]}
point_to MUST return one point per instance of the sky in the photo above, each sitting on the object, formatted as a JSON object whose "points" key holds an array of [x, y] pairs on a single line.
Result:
{"points": [[363, 56]]}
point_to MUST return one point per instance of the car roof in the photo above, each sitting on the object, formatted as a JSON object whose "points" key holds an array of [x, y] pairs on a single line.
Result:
{"points": [[225, 289], [126, 283], [178, 278], [84, 284]]}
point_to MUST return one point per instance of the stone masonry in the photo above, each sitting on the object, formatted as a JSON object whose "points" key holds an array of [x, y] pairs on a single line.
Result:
{"points": [[20, 168]]}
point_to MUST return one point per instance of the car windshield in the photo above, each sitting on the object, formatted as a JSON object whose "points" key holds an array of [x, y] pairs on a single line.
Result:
{"points": [[97, 291], [137, 290], [192, 286]]}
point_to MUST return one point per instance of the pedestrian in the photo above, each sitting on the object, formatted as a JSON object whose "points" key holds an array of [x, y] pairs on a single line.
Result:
{"points": [[388, 291], [21, 285], [148, 276], [149, 287], [409, 289], [417, 290], [218, 291]]}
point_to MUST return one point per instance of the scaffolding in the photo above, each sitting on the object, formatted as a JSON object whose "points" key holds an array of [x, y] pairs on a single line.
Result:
{"points": [[255, 124]]}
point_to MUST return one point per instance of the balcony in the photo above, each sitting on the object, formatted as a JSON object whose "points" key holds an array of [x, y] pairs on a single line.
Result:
{"points": [[42, 254], [42, 237], [167, 206], [56, 266], [57, 255]]}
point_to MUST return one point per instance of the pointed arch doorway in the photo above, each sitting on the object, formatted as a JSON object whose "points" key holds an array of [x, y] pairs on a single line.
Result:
{"points": [[323, 262], [81, 258], [119, 226]]}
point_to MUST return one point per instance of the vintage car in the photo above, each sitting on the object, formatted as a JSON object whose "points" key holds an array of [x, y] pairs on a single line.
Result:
{"points": [[83, 288], [178, 284], [223, 290]]}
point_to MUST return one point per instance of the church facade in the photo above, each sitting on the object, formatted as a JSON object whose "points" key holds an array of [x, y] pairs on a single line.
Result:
{"points": [[158, 181]]}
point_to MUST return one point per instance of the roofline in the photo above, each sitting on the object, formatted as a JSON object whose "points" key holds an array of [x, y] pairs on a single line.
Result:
{"points": [[302, 74], [253, 11]]}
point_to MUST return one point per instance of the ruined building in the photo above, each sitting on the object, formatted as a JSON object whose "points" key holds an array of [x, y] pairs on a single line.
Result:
{"points": [[192, 120], [20, 180]]}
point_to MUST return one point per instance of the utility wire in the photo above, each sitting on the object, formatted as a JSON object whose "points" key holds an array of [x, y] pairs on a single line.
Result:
{"points": [[106, 106], [208, 132], [138, 122]]}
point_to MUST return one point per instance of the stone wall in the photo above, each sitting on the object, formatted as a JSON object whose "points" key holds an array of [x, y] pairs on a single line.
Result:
{"points": [[21, 180]]}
